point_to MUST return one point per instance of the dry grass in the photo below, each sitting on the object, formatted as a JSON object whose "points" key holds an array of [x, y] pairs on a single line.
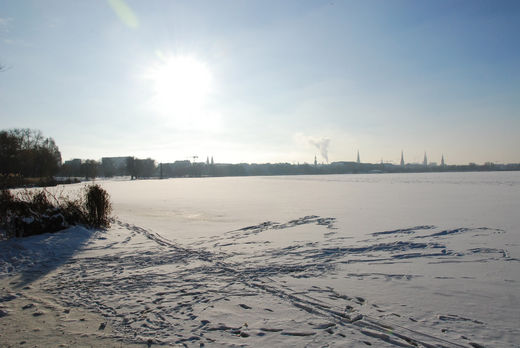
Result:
{"points": [[31, 212]]}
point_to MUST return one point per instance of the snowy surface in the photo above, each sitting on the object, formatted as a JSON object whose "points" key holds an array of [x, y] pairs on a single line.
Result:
{"points": [[340, 260]]}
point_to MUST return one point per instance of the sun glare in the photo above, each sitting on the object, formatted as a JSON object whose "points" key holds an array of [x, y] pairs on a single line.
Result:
{"points": [[180, 86]]}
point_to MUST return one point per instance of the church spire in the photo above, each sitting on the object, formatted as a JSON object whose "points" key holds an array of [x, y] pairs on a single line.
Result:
{"points": [[425, 161], [442, 161], [358, 161], [402, 159]]}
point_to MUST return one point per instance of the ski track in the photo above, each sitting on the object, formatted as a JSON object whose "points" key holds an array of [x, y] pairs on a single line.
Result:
{"points": [[154, 290]]}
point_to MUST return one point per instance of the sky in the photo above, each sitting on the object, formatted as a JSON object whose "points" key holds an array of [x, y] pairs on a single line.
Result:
{"points": [[265, 81]]}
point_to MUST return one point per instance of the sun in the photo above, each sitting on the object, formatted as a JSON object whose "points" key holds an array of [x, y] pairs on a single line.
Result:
{"points": [[181, 85]]}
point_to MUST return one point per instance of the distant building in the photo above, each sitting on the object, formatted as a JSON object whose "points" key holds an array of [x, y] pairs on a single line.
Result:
{"points": [[116, 161], [73, 162], [181, 164], [415, 166], [177, 168], [72, 167], [442, 161], [402, 159], [115, 166], [425, 161], [358, 161], [343, 163]]}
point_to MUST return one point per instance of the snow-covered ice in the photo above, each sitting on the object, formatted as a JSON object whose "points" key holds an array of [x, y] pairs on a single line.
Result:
{"points": [[342, 260]]}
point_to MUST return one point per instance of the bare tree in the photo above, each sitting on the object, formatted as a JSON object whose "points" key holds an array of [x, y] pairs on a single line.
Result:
{"points": [[29, 153], [90, 169]]}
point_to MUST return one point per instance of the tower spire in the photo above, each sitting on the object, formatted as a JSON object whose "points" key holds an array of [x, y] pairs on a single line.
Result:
{"points": [[425, 161], [442, 161], [358, 161], [402, 159]]}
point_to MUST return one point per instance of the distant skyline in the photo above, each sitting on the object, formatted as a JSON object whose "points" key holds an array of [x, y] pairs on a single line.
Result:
{"points": [[266, 81]]}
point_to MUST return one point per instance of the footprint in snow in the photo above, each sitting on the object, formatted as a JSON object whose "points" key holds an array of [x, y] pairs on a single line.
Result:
{"points": [[27, 306], [286, 333]]}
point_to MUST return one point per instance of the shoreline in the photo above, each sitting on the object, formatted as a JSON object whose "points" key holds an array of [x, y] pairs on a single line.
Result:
{"points": [[77, 180]]}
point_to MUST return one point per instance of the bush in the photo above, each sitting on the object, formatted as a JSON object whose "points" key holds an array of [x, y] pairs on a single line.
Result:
{"points": [[10, 180], [36, 212], [6, 201], [97, 203]]}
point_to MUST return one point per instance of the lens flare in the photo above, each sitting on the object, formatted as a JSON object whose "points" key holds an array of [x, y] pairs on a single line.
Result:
{"points": [[124, 13]]}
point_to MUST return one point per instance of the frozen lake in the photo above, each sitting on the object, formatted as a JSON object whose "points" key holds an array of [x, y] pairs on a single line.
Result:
{"points": [[338, 260]]}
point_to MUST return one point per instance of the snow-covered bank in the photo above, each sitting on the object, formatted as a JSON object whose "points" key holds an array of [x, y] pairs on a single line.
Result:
{"points": [[34, 318], [422, 259]]}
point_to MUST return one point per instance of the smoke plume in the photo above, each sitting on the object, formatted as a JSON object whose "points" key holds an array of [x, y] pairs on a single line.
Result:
{"points": [[323, 146]]}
